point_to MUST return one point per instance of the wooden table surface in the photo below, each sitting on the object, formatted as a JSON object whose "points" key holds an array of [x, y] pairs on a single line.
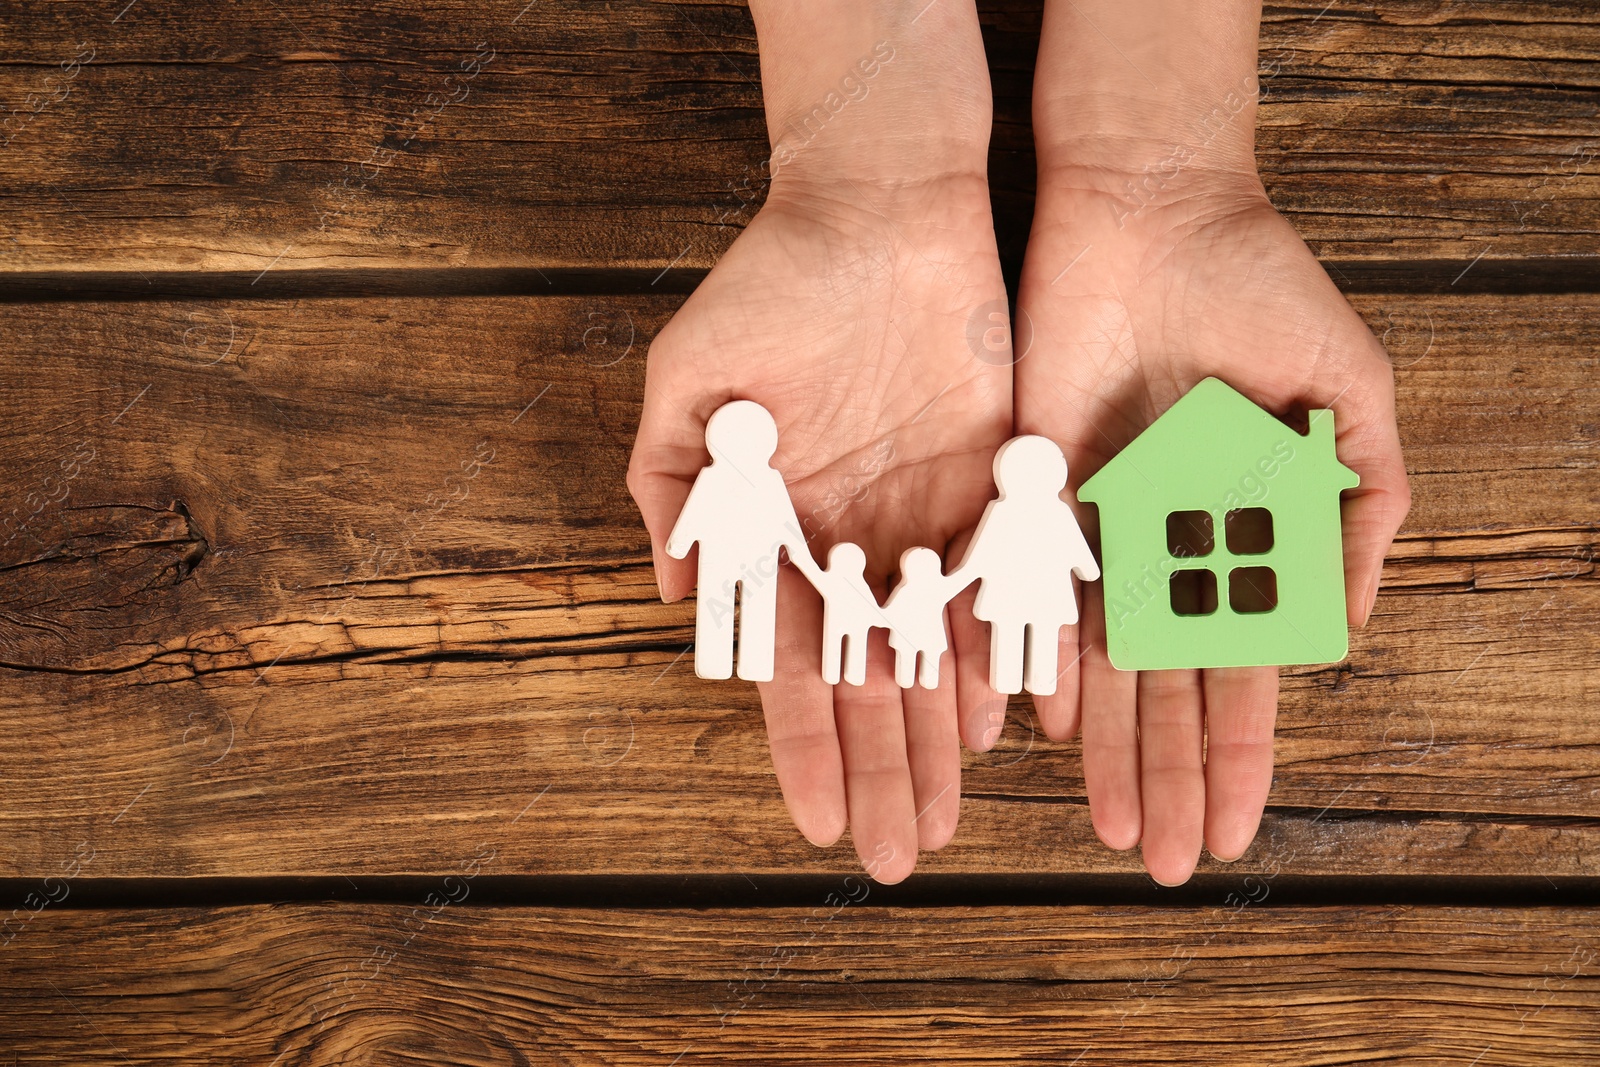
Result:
{"points": [[339, 722]]}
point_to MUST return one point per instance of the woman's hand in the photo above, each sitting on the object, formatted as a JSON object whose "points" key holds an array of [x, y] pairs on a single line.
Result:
{"points": [[1214, 282], [1156, 261], [845, 308]]}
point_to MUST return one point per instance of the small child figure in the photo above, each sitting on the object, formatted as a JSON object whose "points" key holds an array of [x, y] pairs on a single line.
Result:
{"points": [[915, 617], [849, 612]]}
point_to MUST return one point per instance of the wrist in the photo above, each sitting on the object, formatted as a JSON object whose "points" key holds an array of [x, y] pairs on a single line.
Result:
{"points": [[1158, 92], [886, 92], [901, 207], [1113, 205]]}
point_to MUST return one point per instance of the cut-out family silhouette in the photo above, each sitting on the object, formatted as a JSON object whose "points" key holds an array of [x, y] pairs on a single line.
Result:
{"points": [[1023, 555]]}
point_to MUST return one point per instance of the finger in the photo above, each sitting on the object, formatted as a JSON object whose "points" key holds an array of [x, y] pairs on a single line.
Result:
{"points": [[1357, 382], [1241, 704], [667, 455], [1170, 773], [933, 750], [660, 498], [675, 578], [981, 711], [1371, 513], [1058, 711], [878, 792], [1110, 735], [798, 706]]}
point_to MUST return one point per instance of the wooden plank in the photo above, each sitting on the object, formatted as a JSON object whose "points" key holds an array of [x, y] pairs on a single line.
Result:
{"points": [[843, 982], [313, 136], [1428, 114], [320, 563]]}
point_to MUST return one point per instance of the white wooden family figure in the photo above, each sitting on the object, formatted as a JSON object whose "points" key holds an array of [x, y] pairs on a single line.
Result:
{"points": [[1023, 555]]}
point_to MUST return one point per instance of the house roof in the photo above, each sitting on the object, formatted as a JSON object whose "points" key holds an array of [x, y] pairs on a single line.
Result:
{"points": [[1215, 431]]}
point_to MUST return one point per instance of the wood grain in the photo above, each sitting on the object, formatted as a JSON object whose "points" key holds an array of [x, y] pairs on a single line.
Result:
{"points": [[559, 136], [351, 589], [320, 564], [842, 982]]}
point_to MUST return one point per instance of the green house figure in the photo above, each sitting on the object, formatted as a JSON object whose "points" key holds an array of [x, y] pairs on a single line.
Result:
{"points": [[1220, 539]]}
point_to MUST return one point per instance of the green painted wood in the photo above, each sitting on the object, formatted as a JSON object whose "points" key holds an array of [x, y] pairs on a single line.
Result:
{"points": [[1204, 462]]}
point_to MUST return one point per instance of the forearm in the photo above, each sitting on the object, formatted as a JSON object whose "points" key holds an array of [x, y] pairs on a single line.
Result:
{"points": [[1146, 90], [879, 91]]}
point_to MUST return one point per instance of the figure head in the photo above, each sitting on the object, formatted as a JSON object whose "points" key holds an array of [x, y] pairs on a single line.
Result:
{"points": [[920, 564], [846, 557], [1030, 466], [743, 433]]}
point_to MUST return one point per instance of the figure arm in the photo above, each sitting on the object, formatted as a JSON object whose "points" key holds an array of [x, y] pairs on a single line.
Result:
{"points": [[800, 555], [794, 538], [1084, 565], [807, 565], [686, 531], [974, 559], [957, 580]]}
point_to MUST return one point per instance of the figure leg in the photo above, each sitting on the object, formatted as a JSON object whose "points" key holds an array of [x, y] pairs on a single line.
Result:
{"points": [[1044, 642], [1005, 657], [713, 630], [855, 657], [758, 628], [832, 644], [905, 665], [938, 644]]}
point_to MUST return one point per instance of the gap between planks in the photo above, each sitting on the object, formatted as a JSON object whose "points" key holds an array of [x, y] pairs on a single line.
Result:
{"points": [[1466, 276], [762, 891]]}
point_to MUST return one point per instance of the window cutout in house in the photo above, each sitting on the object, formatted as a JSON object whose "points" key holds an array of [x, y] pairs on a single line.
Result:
{"points": [[1193, 592], [1248, 531], [1190, 534], [1252, 590]]}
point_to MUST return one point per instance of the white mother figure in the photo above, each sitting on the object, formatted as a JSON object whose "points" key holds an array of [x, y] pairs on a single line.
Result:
{"points": [[1024, 553], [740, 514]]}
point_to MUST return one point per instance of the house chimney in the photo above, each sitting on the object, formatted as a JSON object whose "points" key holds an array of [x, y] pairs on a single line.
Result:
{"points": [[1321, 429]]}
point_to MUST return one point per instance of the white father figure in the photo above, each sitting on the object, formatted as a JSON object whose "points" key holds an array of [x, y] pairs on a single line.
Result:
{"points": [[740, 513]]}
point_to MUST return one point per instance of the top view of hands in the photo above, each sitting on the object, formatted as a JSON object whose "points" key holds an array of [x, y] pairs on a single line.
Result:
{"points": [[864, 307]]}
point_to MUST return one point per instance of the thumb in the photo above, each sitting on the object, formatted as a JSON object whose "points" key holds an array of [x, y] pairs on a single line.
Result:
{"points": [[660, 498], [1369, 444], [660, 474]]}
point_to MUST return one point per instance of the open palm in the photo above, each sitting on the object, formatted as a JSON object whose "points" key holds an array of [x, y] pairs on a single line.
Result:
{"points": [[845, 313], [1129, 310]]}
